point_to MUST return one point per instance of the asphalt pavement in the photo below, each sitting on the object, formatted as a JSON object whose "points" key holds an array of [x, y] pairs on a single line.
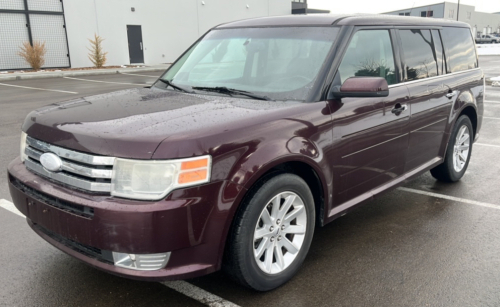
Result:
{"points": [[426, 244]]}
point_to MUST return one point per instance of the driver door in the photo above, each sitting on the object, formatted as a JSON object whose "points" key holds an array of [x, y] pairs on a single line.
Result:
{"points": [[370, 134]]}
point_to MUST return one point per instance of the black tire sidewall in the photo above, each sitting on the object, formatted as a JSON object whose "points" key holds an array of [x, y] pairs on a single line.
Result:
{"points": [[462, 120], [253, 275]]}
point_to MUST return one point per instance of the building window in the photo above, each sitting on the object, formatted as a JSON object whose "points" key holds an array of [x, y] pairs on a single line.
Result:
{"points": [[426, 13], [401, 14], [451, 14], [407, 14]]}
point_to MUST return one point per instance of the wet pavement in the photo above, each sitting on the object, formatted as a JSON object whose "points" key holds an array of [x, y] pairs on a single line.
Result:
{"points": [[402, 249]]}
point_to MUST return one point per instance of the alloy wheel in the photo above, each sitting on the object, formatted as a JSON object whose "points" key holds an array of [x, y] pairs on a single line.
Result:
{"points": [[461, 148], [280, 232]]}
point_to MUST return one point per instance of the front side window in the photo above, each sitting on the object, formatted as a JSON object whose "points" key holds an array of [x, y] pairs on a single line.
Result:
{"points": [[281, 63], [419, 55], [369, 55], [459, 47]]}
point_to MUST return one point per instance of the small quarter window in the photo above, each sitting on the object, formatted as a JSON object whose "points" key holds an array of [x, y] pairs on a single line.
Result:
{"points": [[459, 47], [369, 55], [419, 55]]}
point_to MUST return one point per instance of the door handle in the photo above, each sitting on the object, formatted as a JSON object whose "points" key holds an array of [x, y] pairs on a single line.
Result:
{"points": [[451, 95], [141, 45], [398, 109]]}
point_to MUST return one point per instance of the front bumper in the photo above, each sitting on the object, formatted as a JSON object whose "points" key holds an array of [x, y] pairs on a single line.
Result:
{"points": [[190, 223]]}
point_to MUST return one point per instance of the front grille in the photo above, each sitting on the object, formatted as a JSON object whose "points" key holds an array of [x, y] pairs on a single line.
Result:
{"points": [[79, 170], [52, 201], [89, 251]]}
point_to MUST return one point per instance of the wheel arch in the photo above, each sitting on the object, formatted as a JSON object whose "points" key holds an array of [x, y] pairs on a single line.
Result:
{"points": [[470, 111], [299, 165]]}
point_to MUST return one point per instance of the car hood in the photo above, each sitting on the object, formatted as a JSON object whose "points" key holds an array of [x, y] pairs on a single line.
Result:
{"points": [[133, 123]]}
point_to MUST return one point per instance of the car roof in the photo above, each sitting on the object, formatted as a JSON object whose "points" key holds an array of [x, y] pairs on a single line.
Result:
{"points": [[341, 19]]}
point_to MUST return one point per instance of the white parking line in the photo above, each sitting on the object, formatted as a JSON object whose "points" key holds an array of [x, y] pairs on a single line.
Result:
{"points": [[491, 101], [40, 89], [489, 145], [137, 84], [198, 294], [180, 286], [10, 207], [123, 73], [490, 117], [462, 200]]}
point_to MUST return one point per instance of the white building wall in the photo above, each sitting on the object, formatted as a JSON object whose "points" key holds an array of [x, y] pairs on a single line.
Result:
{"points": [[438, 10], [479, 22], [169, 27]]}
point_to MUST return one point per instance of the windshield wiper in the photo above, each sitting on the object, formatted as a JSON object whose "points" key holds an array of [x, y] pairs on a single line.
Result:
{"points": [[230, 91], [169, 83]]}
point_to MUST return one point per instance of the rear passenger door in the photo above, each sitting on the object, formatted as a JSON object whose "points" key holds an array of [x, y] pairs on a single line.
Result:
{"points": [[431, 97], [370, 139]]}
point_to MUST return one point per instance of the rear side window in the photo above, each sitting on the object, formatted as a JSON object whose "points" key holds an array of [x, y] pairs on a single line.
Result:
{"points": [[460, 51], [419, 55], [369, 55]]}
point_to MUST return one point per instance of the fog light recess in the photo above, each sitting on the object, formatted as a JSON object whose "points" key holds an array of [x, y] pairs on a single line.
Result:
{"points": [[146, 262]]}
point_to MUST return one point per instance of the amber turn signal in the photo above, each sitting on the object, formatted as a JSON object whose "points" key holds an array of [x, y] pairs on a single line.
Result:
{"points": [[193, 176], [194, 164]]}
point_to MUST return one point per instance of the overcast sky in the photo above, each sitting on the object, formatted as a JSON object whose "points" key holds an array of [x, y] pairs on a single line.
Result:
{"points": [[380, 6]]}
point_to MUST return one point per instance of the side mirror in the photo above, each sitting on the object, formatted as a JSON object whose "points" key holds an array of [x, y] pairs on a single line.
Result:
{"points": [[361, 87]]}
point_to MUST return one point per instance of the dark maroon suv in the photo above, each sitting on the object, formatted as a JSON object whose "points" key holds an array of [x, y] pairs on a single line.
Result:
{"points": [[258, 133]]}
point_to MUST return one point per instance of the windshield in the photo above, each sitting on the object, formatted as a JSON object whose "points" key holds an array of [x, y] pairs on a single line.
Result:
{"points": [[280, 63]]}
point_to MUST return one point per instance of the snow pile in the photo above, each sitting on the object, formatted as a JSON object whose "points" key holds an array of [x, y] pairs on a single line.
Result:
{"points": [[488, 49]]}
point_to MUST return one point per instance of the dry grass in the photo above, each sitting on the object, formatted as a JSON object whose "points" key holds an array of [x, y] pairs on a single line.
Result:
{"points": [[33, 55], [97, 56]]}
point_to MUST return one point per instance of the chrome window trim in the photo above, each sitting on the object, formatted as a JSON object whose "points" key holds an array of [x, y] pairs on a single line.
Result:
{"points": [[70, 154], [435, 77], [67, 179]]}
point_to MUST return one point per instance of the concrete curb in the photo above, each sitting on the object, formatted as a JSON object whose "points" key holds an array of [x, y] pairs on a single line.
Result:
{"points": [[78, 73]]}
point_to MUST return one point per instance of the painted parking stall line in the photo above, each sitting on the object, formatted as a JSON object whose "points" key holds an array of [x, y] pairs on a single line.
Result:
{"points": [[198, 294], [488, 145], [180, 286], [110, 82], [458, 199], [39, 89], [7, 205], [128, 74]]}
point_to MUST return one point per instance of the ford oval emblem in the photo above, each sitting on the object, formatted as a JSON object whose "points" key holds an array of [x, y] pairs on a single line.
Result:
{"points": [[51, 162]]}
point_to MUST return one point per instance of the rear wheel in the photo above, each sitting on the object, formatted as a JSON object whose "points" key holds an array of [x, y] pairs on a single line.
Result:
{"points": [[458, 153], [271, 234]]}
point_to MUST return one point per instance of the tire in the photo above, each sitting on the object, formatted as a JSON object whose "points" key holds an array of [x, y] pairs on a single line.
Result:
{"points": [[457, 157], [242, 261]]}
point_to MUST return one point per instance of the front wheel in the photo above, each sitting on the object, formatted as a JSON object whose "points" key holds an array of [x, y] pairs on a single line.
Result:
{"points": [[271, 233], [458, 153]]}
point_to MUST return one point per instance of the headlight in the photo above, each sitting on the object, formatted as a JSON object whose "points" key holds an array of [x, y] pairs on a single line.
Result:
{"points": [[23, 146], [154, 179]]}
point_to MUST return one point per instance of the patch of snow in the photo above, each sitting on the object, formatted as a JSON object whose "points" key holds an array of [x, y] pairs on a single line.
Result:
{"points": [[490, 49]]}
